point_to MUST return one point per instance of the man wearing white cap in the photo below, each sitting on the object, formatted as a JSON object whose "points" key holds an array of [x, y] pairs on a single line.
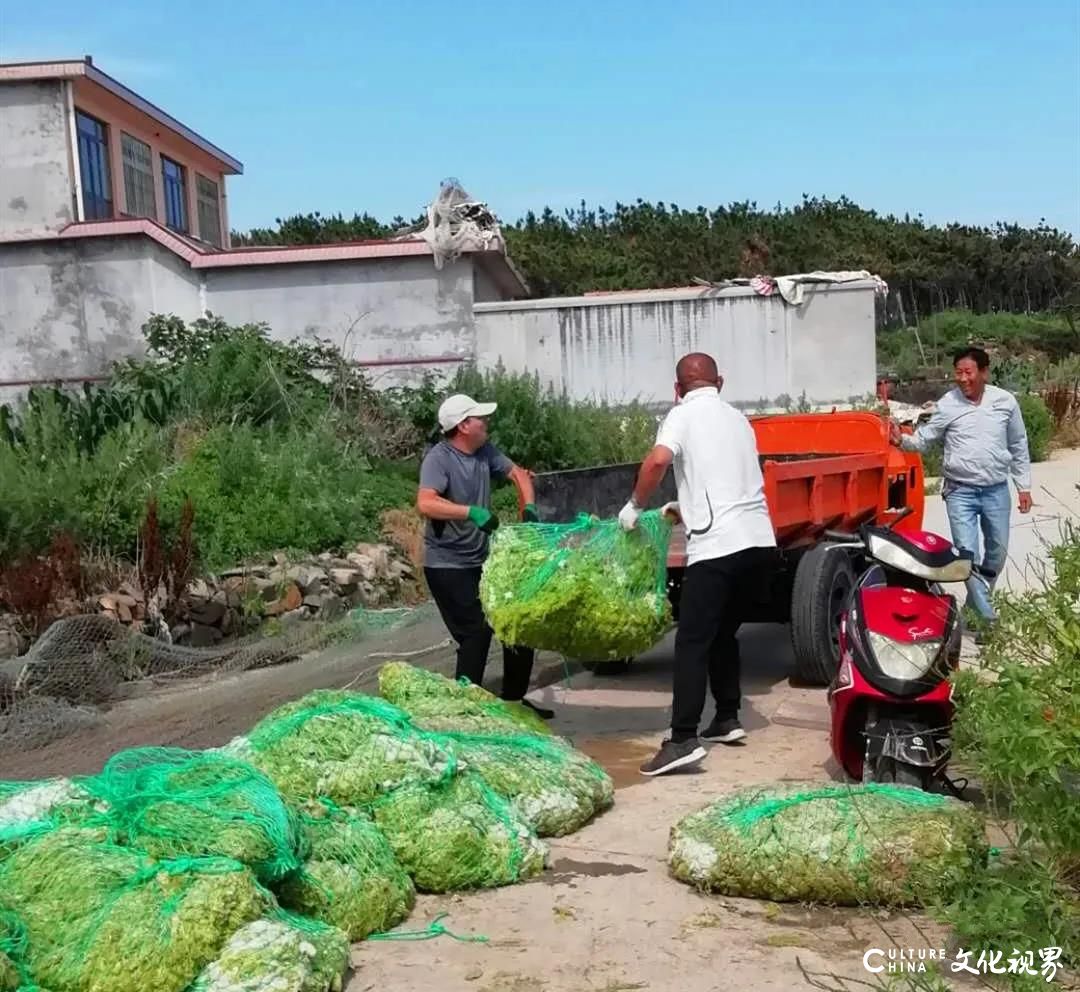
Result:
{"points": [[455, 497]]}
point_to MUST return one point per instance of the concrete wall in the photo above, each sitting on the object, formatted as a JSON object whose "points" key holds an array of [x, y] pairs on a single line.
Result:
{"points": [[625, 348], [399, 308], [72, 308], [36, 180]]}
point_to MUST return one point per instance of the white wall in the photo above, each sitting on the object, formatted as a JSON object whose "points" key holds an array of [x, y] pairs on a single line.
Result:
{"points": [[36, 183], [392, 309], [72, 308], [625, 348]]}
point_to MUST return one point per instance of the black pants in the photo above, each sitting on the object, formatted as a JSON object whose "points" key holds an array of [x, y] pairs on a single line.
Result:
{"points": [[717, 596], [456, 592]]}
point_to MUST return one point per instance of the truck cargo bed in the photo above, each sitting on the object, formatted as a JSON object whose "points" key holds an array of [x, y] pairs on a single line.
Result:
{"points": [[822, 472]]}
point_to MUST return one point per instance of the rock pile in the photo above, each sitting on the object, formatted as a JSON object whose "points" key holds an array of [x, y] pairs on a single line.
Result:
{"points": [[289, 591]]}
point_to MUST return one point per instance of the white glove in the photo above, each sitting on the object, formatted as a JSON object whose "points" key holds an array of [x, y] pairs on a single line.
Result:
{"points": [[671, 510], [628, 516]]}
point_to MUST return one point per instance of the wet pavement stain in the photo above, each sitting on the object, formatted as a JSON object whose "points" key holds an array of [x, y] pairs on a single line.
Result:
{"points": [[619, 757], [565, 870]]}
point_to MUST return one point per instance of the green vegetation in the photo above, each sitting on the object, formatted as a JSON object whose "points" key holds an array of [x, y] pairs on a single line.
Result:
{"points": [[1018, 730], [1005, 267], [277, 446]]}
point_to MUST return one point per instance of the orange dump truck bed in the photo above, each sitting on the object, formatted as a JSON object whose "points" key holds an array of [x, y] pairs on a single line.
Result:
{"points": [[829, 471]]}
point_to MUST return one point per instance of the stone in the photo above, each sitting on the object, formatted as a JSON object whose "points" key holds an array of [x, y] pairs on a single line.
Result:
{"points": [[133, 591], [280, 558], [208, 614], [277, 576], [10, 643], [198, 590], [204, 636], [364, 564], [346, 578], [123, 611], [108, 603], [227, 597], [326, 604], [239, 584], [307, 577], [180, 632], [400, 570], [379, 554], [292, 599]]}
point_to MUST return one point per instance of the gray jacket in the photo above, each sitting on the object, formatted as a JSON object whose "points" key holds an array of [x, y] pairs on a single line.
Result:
{"points": [[985, 443]]}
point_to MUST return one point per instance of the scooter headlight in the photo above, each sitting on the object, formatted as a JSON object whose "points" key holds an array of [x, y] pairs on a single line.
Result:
{"points": [[905, 661]]}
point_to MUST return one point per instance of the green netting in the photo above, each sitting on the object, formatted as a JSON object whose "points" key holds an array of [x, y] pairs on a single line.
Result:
{"points": [[276, 955], [435, 702], [103, 918], [172, 803], [352, 879], [587, 590], [845, 845], [344, 746], [555, 789], [458, 834], [14, 973]]}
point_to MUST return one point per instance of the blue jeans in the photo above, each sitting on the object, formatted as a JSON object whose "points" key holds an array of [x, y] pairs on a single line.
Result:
{"points": [[985, 509]]}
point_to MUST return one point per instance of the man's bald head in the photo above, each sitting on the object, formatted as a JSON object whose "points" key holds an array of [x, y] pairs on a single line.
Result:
{"points": [[695, 371]]}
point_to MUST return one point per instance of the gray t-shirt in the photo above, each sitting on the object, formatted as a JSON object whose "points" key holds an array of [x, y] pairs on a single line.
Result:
{"points": [[463, 479]]}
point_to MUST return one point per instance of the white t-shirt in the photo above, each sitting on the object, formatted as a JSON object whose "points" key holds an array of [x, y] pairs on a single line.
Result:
{"points": [[718, 476]]}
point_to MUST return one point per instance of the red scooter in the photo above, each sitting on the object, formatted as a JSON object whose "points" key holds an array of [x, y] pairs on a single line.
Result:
{"points": [[891, 700]]}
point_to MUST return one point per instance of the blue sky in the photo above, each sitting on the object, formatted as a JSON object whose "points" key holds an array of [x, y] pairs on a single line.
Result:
{"points": [[954, 109]]}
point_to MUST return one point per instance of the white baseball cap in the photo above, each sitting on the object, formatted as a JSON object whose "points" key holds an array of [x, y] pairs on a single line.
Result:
{"points": [[456, 409]]}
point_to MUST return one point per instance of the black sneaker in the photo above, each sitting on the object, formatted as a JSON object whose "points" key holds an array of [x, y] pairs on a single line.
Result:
{"points": [[540, 711], [724, 732], [674, 755]]}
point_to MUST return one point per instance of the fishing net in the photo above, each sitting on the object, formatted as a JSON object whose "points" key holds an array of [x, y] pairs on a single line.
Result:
{"points": [[459, 834], [552, 787], [344, 746], [351, 879], [844, 845], [586, 590], [277, 955], [103, 918], [82, 662], [171, 803], [435, 702]]}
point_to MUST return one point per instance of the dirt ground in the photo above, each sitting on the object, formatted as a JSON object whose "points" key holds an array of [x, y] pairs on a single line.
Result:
{"points": [[606, 917]]}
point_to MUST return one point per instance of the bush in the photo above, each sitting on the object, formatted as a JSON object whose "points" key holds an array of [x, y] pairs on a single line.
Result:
{"points": [[1018, 729], [1039, 424], [254, 491]]}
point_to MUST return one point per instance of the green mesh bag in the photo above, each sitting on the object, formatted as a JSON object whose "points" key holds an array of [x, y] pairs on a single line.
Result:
{"points": [[838, 844], [458, 834], [586, 590], [103, 918], [278, 954], [435, 702], [552, 787], [14, 974], [352, 879], [27, 808], [344, 746], [171, 803]]}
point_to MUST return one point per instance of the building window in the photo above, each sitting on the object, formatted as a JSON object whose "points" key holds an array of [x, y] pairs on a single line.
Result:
{"points": [[138, 177], [175, 181], [93, 141], [209, 210]]}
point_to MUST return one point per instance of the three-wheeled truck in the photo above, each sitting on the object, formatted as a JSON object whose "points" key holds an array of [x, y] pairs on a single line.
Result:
{"points": [[824, 472]]}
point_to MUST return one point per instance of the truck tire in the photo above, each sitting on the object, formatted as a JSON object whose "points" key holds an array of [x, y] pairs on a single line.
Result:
{"points": [[824, 579]]}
